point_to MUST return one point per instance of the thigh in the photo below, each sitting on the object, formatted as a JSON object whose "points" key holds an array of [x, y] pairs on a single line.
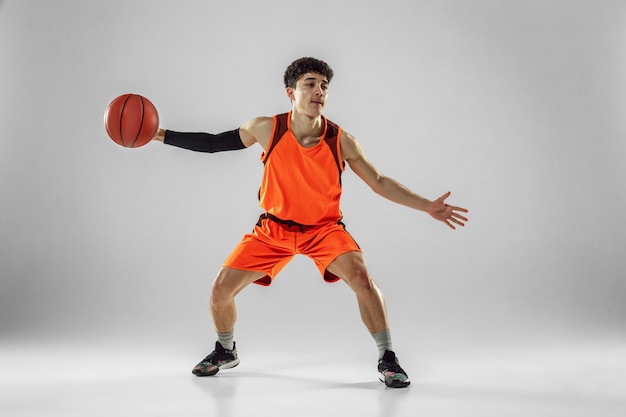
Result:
{"points": [[265, 250], [326, 245]]}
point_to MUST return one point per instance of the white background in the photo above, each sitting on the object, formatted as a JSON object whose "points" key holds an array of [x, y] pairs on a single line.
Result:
{"points": [[517, 107]]}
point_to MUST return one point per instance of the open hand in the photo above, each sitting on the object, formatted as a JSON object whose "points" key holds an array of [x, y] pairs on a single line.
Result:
{"points": [[443, 212]]}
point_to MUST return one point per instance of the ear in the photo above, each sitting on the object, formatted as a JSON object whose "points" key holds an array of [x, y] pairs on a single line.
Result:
{"points": [[289, 92]]}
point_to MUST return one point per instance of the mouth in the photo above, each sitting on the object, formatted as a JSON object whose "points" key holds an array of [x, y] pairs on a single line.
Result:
{"points": [[321, 103]]}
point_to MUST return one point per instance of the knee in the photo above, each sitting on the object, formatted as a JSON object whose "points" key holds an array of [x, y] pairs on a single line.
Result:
{"points": [[360, 280], [220, 291], [351, 268], [217, 293], [229, 282]]}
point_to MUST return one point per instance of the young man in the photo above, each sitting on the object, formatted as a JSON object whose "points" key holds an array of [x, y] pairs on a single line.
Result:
{"points": [[304, 156]]}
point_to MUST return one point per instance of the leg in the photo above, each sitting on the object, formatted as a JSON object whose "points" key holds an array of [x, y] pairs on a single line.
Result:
{"points": [[351, 268], [228, 283]]}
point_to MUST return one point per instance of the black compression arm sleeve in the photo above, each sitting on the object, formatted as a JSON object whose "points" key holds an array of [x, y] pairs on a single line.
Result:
{"points": [[205, 142]]}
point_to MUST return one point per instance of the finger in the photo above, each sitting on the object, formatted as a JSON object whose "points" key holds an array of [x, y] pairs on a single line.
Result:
{"points": [[457, 221], [443, 197], [450, 225], [458, 216], [457, 208]]}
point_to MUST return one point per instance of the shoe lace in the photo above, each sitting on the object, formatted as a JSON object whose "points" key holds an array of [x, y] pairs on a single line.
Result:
{"points": [[390, 364], [216, 356], [393, 367]]}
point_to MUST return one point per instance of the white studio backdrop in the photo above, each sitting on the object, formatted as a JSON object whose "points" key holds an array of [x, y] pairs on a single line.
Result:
{"points": [[517, 107]]}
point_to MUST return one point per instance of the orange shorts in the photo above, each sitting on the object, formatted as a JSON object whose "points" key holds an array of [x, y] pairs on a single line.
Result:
{"points": [[272, 244]]}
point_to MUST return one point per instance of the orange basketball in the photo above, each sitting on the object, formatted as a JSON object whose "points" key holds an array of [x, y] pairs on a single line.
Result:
{"points": [[131, 120]]}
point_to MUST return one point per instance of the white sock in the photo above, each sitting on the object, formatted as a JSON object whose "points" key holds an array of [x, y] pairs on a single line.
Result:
{"points": [[383, 341], [226, 340]]}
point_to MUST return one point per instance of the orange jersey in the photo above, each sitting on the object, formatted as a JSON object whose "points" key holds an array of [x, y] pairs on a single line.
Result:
{"points": [[301, 184]]}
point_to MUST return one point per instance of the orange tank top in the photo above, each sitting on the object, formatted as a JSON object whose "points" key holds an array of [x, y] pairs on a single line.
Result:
{"points": [[301, 184]]}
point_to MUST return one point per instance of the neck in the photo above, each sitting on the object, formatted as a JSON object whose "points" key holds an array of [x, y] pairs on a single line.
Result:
{"points": [[304, 125]]}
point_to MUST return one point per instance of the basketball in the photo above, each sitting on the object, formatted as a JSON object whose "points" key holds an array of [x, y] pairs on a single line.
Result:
{"points": [[131, 120]]}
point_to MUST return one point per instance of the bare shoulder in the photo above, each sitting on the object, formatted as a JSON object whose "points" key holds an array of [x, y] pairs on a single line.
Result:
{"points": [[352, 152], [350, 148], [258, 130]]}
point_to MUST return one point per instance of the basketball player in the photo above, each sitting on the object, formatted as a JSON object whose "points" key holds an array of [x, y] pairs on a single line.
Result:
{"points": [[304, 156]]}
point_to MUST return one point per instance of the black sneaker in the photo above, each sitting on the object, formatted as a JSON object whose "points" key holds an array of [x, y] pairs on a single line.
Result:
{"points": [[220, 358], [390, 372]]}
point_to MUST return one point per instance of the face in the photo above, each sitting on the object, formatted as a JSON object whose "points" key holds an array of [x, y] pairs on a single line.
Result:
{"points": [[309, 96]]}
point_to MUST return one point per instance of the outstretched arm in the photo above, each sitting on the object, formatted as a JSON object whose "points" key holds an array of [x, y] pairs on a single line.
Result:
{"points": [[393, 190], [255, 130]]}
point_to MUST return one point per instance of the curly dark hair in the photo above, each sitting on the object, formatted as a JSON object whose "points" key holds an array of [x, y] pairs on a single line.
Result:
{"points": [[301, 66]]}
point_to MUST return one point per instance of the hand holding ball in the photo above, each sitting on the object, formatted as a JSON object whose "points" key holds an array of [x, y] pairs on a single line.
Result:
{"points": [[131, 120]]}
